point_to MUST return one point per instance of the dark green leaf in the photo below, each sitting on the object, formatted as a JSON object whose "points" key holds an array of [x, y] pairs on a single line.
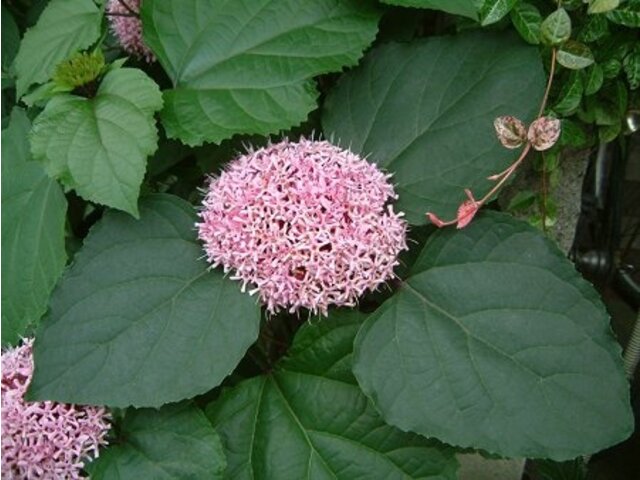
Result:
{"points": [[628, 15], [611, 68], [570, 94], [594, 29], [573, 134], [493, 11], [610, 105], [575, 55], [64, 27], [522, 200], [467, 8], [425, 111], [10, 38], [495, 342], [631, 65], [594, 79], [570, 470], [310, 420], [246, 66], [601, 6], [608, 133], [139, 319], [527, 20], [99, 146], [33, 215], [172, 443], [556, 28]]}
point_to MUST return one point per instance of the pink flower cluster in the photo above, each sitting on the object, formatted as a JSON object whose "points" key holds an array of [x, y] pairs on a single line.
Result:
{"points": [[44, 440], [307, 224], [127, 27]]}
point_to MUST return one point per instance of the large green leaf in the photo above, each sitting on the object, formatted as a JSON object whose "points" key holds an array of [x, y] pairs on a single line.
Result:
{"points": [[308, 419], [172, 443], [425, 112], [33, 214], [467, 8], [139, 319], [10, 38], [99, 146], [63, 28], [245, 66], [495, 342]]}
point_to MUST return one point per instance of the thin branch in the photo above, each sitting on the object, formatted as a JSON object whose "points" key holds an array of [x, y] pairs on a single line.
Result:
{"points": [[552, 71]]}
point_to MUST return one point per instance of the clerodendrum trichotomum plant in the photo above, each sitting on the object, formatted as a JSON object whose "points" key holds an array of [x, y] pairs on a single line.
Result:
{"points": [[220, 253]]}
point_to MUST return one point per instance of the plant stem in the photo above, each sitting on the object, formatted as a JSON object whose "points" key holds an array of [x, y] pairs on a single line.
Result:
{"points": [[552, 71]]}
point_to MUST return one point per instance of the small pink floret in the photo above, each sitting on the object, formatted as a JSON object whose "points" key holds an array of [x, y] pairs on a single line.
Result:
{"points": [[44, 440], [306, 224], [466, 212], [128, 28]]}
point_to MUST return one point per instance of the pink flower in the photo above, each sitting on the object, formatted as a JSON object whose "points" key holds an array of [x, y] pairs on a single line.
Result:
{"points": [[127, 27], [307, 224], [44, 440], [467, 210]]}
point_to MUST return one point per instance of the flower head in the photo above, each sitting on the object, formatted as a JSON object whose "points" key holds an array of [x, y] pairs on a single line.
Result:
{"points": [[308, 224], [46, 440], [127, 27]]}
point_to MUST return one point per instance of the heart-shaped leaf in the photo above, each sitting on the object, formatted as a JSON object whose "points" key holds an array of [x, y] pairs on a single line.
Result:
{"points": [[99, 146], [139, 319], [310, 420], [33, 216], [245, 66], [174, 442], [495, 342], [575, 55], [64, 27], [425, 112]]}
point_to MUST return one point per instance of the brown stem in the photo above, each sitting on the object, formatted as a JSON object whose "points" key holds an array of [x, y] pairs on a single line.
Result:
{"points": [[508, 174], [116, 14], [552, 71]]}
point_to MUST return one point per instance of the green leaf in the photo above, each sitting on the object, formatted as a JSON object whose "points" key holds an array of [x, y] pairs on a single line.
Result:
{"points": [[10, 38], [99, 146], [174, 442], [627, 15], [570, 94], [246, 66], [33, 215], [556, 28], [527, 20], [601, 6], [594, 79], [521, 200], [425, 112], [595, 28], [308, 419], [575, 55], [573, 134], [495, 342], [493, 11], [64, 27], [608, 133], [140, 319], [466, 8], [631, 65], [611, 68]]}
